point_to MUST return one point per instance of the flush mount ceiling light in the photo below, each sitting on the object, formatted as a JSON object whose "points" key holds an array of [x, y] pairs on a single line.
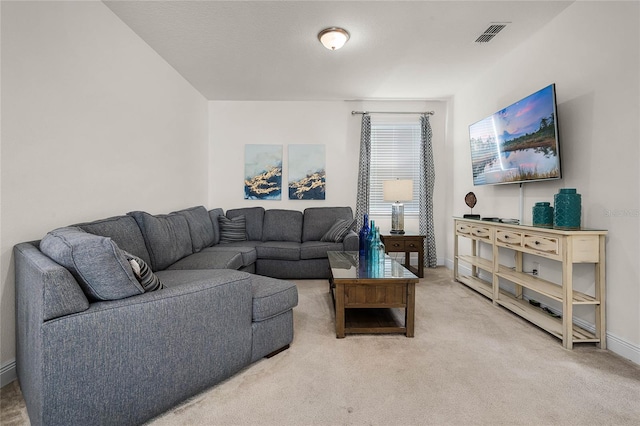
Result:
{"points": [[333, 38]]}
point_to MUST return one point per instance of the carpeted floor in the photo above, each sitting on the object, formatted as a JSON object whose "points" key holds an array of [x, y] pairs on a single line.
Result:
{"points": [[471, 363]]}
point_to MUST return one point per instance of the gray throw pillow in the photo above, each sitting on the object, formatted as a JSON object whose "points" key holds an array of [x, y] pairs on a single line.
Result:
{"points": [[338, 230], [232, 230], [147, 279], [96, 262]]}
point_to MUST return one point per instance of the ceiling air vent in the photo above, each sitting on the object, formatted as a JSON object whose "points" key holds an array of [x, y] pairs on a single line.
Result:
{"points": [[491, 32]]}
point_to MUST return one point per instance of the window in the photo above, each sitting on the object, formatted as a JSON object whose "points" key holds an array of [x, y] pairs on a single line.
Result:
{"points": [[395, 154]]}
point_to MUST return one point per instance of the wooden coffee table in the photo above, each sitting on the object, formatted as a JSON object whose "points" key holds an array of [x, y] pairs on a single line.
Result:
{"points": [[364, 300]]}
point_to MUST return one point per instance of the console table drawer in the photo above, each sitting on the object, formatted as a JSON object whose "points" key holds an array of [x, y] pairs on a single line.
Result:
{"points": [[463, 228], [542, 245], [508, 238], [481, 233], [473, 231]]}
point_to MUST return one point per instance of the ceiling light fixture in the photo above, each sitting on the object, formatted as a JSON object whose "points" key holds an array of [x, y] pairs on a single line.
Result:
{"points": [[333, 38]]}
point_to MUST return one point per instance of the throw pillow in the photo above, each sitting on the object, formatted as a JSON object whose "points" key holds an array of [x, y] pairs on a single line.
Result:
{"points": [[147, 279], [96, 262], [232, 230], [338, 230]]}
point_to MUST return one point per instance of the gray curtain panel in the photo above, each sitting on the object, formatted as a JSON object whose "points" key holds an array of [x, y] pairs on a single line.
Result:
{"points": [[427, 181], [362, 199]]}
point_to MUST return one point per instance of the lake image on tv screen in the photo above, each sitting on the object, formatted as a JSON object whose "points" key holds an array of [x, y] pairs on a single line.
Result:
{"points": [[518, 143]]}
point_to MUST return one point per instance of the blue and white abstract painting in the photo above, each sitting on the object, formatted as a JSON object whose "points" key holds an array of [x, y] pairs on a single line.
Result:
{"points": [[307, 175], [262, 172]]}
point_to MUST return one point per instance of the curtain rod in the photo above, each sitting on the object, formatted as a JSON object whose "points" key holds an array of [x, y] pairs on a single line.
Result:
{"points": [[392, 112]]}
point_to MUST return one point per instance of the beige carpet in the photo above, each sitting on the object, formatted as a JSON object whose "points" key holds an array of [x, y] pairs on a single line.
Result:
{"points": [[470, 363]]}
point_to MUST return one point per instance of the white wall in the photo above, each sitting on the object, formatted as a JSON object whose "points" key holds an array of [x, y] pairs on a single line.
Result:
{"points": [[591, 52], [94, 124], [234, 124]]}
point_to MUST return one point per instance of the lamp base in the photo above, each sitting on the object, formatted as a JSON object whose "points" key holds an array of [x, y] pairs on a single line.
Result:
{"points": [[397, 218]]}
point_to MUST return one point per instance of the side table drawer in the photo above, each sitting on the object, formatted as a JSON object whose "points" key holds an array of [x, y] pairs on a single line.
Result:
{"points": [[392, 244], [413, 245]]}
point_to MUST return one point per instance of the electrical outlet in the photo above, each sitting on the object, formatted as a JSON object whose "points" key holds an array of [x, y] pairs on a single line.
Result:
{"points": [[536, 269]]}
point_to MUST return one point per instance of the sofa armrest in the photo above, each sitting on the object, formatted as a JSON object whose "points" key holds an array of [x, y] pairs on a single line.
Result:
{"points": [[351, 242], [153, 350]]}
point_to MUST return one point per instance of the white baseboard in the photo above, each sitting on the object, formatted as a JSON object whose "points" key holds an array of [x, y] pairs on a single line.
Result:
{"points": [[615, 344], [8, 373]]}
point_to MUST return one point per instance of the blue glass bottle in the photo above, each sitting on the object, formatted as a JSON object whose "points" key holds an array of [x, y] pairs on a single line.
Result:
{"points": [[364, 234], [376, 257], [381, 252], [367, 254]]}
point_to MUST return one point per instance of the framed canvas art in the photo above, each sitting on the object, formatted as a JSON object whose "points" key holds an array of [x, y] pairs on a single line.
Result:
{"points": [[307, 176], [262, 172]]}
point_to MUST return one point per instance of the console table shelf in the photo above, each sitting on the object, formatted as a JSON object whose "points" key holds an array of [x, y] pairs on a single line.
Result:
{"points": [[481, 263], [542, 319], [547, 288], [480, 285], [568, 247]]}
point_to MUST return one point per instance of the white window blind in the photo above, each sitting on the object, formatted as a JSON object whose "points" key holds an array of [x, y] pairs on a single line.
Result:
{"points": [[395, 154]]}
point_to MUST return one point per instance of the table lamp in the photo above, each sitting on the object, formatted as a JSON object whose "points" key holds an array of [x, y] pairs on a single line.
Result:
{"points": [[397, 191]]}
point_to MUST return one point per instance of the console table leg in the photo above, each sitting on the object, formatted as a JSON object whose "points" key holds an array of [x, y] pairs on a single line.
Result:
{"points": [[567, 297]]}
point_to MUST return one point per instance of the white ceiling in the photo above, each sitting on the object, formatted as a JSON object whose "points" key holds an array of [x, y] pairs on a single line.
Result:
{"points": [[268, 50]]}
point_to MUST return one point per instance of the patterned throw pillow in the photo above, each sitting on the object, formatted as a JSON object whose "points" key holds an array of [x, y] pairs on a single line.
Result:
{"points": [[232, 230], [147, 279], [338, 230]]}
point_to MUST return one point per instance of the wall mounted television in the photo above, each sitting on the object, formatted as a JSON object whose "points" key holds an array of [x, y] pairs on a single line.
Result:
{"points": [[518, 143]]}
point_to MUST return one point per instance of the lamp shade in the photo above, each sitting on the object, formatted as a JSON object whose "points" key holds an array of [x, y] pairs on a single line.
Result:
{"points": [[333, 38], [397, 190]]}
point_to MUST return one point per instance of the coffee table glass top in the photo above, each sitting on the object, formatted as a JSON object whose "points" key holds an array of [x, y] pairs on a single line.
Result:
{"points": [[349, 265]]}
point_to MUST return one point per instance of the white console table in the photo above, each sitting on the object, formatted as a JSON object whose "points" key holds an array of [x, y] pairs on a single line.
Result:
{"points": [[566, 246]]}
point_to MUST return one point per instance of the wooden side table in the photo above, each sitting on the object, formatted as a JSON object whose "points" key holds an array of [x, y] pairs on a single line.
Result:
{"points": [[408, 244]]}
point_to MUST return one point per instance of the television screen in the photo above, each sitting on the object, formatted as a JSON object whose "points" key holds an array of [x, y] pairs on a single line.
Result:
{"points": [[518, 143]]}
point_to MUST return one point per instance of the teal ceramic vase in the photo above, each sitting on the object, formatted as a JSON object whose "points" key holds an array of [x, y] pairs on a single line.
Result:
{"points": [[543, 214], [566, 211]]}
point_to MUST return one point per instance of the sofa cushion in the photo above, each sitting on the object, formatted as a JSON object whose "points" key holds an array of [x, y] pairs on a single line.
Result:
{"points": [[318, 220], [282, 250], [254, 217], [124, 231], [176, 278], [147, 279], [338, 230], [318, 249], [96, 262], [246, 249], [167, 238], [232, 230], [271, 297], [282, 225], [213, 216], [200, 227], [209, 260]]}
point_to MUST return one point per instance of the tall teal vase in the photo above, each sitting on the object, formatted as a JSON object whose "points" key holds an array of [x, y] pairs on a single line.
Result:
{"points": [[567, 207]]}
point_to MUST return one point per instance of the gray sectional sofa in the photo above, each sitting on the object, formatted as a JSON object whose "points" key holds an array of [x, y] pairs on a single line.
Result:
{"points": [[96, 346]]}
